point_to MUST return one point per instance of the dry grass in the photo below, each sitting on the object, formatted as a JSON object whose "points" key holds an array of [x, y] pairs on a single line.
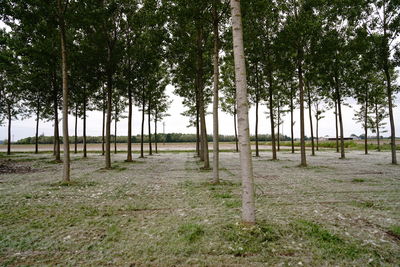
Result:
{"points": [[162, 211]]}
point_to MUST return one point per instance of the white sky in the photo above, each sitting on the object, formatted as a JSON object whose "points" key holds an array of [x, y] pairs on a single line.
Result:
{"points": [[176, 123]]}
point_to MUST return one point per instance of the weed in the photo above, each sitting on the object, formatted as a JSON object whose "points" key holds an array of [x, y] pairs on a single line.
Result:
{"points": [[191, 232]]}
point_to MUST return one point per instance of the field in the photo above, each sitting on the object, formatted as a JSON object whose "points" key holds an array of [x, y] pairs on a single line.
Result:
{"points": [[162, 211]]}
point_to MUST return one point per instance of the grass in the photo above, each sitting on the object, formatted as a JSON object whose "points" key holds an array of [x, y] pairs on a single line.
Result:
{"points": [[165, 212]]}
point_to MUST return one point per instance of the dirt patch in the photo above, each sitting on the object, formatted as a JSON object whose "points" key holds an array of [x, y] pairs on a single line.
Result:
{"points": [[9, 166]]}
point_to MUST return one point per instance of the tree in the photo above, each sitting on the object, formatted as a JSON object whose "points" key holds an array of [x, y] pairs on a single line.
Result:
{"points": [[248, 205]]}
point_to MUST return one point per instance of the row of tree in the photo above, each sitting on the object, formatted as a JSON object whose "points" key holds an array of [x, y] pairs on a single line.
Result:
{"points": [[116, 53]]}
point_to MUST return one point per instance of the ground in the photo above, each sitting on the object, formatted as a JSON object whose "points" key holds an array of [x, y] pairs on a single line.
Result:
{"points": [[162, 211]]}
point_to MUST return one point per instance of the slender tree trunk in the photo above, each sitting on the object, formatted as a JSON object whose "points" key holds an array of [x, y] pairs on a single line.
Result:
{"points": [[104, 127], [389, 94], [9, 129], [300, 54], [337, 126], [109, 108], [271, 116], [215, 95], [56, 122], [279, 123], [256, 133], [311, 122], [155, 131], [54, 142], [197, 129], [149, 126], [366, 123], [339, 102], [37, 129], [130, 106], [378, 138], [84, 125], [142, 132], [292, 119], [64, 67], [236, 134], [201, 98], [115, 133], [248, 202], [76, 129]]}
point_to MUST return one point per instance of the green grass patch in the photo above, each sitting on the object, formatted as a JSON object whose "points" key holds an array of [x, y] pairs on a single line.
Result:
{"points": [[247, 241], [191, 232], [324, 243], [358, 180]]}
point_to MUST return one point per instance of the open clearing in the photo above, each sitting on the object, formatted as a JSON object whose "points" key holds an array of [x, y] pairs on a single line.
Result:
{"points": [[162, 211]]}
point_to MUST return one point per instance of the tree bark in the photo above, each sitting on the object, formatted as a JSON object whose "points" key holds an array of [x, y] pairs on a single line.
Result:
{"points": [[377, 127], [9, 129], [56, 122], [339, 103], [389, 91], [256, 130], [104, 126], [337, 126], [155, 130], [64, 68], [292, 119], [109, 108], [115, 130], [37, 128], [311, 122], [130, 106], [76, 129], [271, 116], [197, 127], [149, 126], [317, 126], [215, 95], [236, 134], [142, 132], [248, 202], [203, 130], [366, 122], [303, 162], [84, 124], [279, 124]]}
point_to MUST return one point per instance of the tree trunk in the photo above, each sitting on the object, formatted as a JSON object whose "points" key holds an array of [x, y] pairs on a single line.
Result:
{"points": [[378, 138], [37, 129], [9, 129], [115, 133], [64, 68], [142, 132], [109, 108], [256, 132], [130, 106], [76, 129], [271, 115], [197, 129], [236, 134], [248, 202], [279, 124], [104, 126], [366, 122], [203, 130], [215, 95], [311, 122], [339, 102], [56, 126], [84, 125], [155, 131], [389, 93], [300, 53], [292, 119], [149, 126], [336, 126]]}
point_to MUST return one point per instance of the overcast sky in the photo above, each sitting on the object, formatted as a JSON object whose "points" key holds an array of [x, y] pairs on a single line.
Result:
{"points": [[176, 123]]}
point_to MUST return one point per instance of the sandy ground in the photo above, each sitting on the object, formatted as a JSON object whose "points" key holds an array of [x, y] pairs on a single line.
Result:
{"points": [[146, 203]]}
